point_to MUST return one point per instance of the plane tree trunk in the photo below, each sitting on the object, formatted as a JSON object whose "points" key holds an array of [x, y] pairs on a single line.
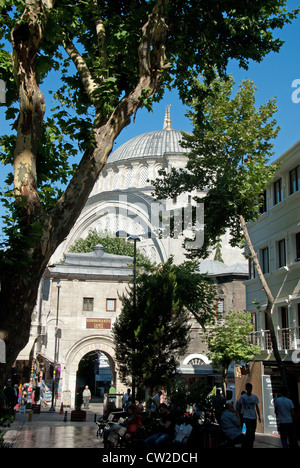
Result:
{"points": [[39, 232], [270, 302]]}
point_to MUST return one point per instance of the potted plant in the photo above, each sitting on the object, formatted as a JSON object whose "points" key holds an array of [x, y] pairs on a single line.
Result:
{"points": [[78, 414]]}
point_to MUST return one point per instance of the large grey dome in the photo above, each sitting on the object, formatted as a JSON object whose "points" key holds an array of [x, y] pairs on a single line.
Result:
{"points": [[151, 144]]}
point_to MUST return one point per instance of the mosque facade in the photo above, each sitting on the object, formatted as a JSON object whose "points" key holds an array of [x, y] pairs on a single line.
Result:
{"points": [[79, 297]]}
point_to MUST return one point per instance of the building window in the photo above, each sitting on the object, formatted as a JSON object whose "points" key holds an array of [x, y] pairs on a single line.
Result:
{"points": [[128, 178], [251, 268], [281, 253], [264, 257], [285, 336], [294, 180], [153, 254], [297, 247], [298, 320], [111, 305], [88, 304], [143, 177], [263, 202], [115, 183], [277, 191]]}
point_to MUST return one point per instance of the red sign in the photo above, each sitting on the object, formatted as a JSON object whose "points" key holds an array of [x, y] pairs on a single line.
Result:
{"points": [[98, 323]]}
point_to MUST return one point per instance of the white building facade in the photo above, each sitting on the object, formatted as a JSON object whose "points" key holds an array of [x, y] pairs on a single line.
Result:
{"points": [[276, 239], [79, 297]]}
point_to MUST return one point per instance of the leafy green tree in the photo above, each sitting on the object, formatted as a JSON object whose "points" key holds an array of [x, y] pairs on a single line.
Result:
{"points": [[113, 245], [197, 292], [228, 341], [150, 337], [112, 58], [231, 147]]}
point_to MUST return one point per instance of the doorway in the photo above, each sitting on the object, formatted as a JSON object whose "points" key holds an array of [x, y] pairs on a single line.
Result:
{"points": [[94, 370]]}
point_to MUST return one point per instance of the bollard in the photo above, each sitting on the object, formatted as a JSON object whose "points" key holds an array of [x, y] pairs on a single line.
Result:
{"points": [[30, 415], [66, 416], [95, 418]]}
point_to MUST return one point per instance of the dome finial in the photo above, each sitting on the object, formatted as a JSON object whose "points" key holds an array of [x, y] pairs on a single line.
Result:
{"points": [[167, 121]]}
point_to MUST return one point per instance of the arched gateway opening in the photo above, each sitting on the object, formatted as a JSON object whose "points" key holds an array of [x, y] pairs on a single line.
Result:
{"points": [[77, 368], [94, 370]]}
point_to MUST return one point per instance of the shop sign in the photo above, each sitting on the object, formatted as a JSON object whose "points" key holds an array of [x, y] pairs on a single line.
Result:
{"points": [[270, 387], [98, 323]]}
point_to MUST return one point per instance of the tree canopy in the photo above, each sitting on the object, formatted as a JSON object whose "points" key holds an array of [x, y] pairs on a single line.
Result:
{"points": [[113, 245], [228, 341], [230, 149], [151, 335], [229, 160]]}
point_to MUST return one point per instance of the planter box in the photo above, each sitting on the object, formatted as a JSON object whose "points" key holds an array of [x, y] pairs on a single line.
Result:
{"points": [[36, 408], [78, 415]]}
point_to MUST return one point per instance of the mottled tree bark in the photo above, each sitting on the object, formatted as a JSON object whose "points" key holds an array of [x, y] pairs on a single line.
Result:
{"points": [[42, 232]]}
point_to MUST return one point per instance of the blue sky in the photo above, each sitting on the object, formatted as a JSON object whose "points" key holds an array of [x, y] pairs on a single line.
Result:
{"points": [[273, 78]]}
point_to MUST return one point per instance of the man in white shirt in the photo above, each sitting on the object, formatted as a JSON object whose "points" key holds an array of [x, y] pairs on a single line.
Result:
{"points": [[250, 409], [86, 396], [284, 409]]}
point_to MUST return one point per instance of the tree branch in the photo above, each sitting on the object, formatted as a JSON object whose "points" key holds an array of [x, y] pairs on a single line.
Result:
{"points": [[101, 36], [151, 50], [151, 58], [85, 75], [270, 301]]}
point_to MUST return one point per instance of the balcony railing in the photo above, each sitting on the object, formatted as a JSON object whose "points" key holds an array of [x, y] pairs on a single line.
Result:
{"points": [[287, 339]]}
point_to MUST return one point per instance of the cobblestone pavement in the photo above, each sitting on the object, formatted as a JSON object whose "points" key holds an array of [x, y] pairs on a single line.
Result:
{"points": [[49, 430]]}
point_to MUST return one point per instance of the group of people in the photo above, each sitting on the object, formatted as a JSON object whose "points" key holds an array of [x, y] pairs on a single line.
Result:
{"points": [[131, 426], [125, 428], [231, 421], [247, 413]]}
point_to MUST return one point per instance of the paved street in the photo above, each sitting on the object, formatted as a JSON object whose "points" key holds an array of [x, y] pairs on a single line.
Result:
{"points": [[49, 430]]}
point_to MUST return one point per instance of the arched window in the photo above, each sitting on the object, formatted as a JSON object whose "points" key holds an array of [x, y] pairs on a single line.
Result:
{"points": [[128, 178], [115, 181], [153, 254], [143, 176], [196, 360]]}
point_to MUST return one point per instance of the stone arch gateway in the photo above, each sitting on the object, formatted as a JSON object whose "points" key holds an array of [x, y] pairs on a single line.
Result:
{"points": [[78, 351]]}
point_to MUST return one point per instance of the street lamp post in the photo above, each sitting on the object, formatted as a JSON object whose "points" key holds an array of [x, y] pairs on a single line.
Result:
{"points": [[135, 239], [52, 409]]}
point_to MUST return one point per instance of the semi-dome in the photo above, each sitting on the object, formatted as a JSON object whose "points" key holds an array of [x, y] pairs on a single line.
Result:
{"points": [[150, 145]]}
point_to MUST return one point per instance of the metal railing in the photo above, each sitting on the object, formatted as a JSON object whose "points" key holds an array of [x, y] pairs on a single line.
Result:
{"points": [[287, 339]]}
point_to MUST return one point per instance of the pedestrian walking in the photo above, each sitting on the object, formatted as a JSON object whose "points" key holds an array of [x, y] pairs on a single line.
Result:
{"points": [[86, 396], [285, 412], [250, 410], [240, 409], [126, 399], [218, 405]]}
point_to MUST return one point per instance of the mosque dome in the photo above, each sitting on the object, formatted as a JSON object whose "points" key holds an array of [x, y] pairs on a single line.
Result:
{"points": [[150, 145]]}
